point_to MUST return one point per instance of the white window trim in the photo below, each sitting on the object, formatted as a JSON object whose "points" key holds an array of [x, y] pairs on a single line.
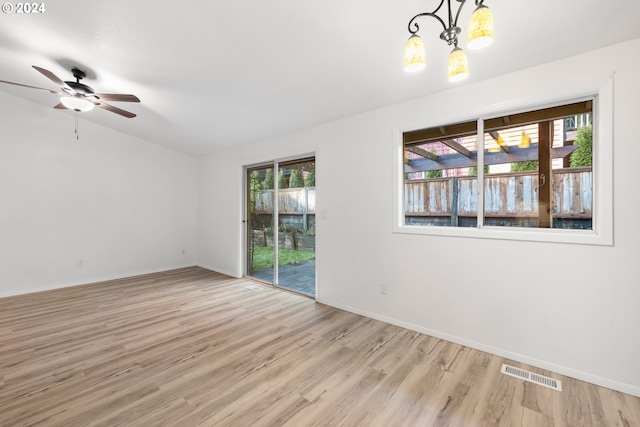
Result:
{"points": [[602, 221]]}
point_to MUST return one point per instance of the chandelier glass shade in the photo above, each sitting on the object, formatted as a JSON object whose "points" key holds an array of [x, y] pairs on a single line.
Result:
{"points": [[458, 66], [480, 35], [414, 54]]}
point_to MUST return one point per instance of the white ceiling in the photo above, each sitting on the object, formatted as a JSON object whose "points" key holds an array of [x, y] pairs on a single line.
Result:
{"points": [[216, 73]]}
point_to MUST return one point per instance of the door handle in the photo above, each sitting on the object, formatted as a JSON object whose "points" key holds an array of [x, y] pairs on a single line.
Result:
{"points": [[543, 180]]}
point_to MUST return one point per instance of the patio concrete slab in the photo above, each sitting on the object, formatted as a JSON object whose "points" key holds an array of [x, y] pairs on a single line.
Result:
{"points": [[298, 277]]}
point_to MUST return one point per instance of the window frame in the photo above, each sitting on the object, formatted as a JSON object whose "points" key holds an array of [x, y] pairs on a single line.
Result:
{"points": [[602, 221]]}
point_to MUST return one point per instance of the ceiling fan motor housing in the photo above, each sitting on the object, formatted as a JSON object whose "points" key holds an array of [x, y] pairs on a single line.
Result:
{"points": [[79, 88]]}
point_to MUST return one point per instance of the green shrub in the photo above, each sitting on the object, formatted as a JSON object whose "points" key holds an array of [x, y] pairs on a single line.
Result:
{"points": [[254, 185], [473, 170], [527, 165], [282, 181], [310, 180], [268, 180], [583, 155], [296, 180]]}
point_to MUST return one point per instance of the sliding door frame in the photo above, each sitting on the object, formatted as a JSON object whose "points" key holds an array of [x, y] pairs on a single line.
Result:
{"points": [[275, 164]]}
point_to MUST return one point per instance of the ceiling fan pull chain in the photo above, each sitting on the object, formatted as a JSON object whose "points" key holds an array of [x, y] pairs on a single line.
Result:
{"points": [[77, 134]]}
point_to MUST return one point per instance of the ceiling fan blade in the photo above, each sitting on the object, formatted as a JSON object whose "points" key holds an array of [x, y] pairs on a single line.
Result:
{"points": [[60, 106], [57, 80], [117, 97], [116, 110], [31, 87]]}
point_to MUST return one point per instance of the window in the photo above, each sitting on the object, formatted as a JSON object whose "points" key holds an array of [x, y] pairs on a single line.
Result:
{"points": [[531, 171], [441, 167], [540, 172]]}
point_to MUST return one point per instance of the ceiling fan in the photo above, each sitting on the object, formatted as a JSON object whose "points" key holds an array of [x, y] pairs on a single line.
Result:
{"points": [[80, 97]]}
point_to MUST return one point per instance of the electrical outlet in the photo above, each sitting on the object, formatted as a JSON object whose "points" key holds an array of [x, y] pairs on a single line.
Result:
{"points": [[383, 288]]}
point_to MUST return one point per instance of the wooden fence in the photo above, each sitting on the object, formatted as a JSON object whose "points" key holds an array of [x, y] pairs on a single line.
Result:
{"points": [[286, 240], [505, 195], [297, 209], [290, 201]]}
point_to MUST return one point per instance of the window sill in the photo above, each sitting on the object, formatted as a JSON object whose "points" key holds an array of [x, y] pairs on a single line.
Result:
{"points": [[585, 237]]}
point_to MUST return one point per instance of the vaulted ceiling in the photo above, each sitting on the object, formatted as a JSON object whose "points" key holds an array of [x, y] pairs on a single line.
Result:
{"points": [[213, 74]]}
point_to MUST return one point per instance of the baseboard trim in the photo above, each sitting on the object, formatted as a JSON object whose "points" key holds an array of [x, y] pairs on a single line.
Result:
{"points": [[562, 370], [91, 280], [219, 270]]}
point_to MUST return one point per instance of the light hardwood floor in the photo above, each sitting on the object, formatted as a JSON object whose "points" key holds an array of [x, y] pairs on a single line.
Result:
{"points": [[192, 347]]}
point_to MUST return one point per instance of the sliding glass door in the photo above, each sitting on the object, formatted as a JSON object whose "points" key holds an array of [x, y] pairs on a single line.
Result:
{"points": [[281, 224]]}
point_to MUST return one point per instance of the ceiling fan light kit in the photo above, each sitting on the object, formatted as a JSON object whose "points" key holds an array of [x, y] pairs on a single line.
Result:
{"points": [[76, 103], [480, 35]]}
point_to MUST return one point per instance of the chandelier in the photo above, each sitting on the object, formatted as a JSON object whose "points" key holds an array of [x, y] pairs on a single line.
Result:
{"points": [[480, 35]]}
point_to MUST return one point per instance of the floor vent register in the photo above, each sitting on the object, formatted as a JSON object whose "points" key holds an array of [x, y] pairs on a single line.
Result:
{"points": [[531, 377]]}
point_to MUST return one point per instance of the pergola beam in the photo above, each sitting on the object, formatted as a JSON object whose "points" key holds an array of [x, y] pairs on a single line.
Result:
{"points": [[459, 148], [449, 161], [423, 153], [503, 145]]}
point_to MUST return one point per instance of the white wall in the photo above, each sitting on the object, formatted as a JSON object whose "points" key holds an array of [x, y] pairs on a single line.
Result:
{"points": [[121, 205], [574, 309]]}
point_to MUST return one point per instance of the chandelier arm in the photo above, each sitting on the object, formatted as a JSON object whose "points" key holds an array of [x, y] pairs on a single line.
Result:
{"points": [[431, 14], [462, 2], [415, 24]]}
